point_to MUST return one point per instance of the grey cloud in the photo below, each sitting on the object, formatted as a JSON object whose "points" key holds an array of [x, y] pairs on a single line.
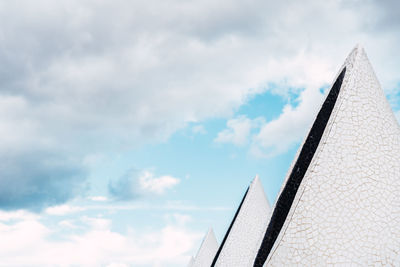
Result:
{"points": [[36, 180], [386, 16], [134, 184], [125, 187], [79, 77]]}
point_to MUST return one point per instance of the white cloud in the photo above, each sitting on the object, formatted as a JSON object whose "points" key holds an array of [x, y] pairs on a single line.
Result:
{"points": [[97, 245], [199, 129], [98, 198], [238, 130], [169, 206], [96, 223], [158, 185], [136, 183], [67, 224], [117, 265], [278, 135], [180, 219], [20, 236], [17, 215], [63, 210]]}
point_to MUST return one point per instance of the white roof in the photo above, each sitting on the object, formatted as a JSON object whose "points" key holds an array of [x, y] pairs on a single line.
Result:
{"points": [[243, 238], [206, 252], [191, 262], [347, 207]]}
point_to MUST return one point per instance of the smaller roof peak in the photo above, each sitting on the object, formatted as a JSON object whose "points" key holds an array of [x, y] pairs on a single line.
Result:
{"points": [[256, 179], [210, 232], [243, 237], [359, 47], [207, 250], [191, 262]]}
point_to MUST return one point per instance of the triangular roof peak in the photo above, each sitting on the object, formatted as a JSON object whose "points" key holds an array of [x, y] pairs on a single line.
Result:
{"points": [[244, 236], [256, 182], [206, 252], [340, 203]]}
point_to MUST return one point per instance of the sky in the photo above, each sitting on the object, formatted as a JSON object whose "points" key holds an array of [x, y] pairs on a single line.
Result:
{"points": [[128, 128]]}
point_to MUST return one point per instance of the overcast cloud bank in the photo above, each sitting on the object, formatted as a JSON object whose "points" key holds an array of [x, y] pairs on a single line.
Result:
{"points": [[82, 77]]}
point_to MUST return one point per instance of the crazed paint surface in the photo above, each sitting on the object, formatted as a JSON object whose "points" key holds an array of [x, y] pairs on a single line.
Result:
{"points": [[347, 208], [288, 194], [244, 237], [206, 252]]}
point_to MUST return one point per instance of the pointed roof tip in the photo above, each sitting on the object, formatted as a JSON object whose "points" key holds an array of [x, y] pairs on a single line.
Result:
{"points": [[239, 247], [360, 49], [191, 262], [359, 46], [256, 179], [210, 234], [208, 248], [353, 57], [210, 231], [256, 182], [357, 55], [361, 85]]}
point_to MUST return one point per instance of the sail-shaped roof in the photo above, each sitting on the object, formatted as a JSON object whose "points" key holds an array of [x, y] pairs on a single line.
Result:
{"points": [[340, 203], [244, 236], [206, 252], [191, 262]]}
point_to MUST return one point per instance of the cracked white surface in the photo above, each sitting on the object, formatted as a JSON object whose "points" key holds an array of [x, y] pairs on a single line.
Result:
{"points": [[244, 239], [191, 262], [207, 251], [347, 208]]}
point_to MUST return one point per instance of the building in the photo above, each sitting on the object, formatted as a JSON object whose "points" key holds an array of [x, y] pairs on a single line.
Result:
{"points": [[340, 202]]}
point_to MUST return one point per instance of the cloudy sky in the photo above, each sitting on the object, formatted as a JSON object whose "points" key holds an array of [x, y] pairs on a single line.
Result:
{"points": [[127, 128]]}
